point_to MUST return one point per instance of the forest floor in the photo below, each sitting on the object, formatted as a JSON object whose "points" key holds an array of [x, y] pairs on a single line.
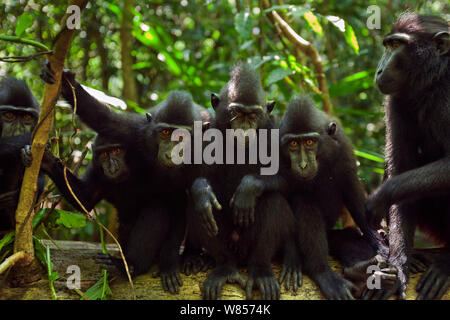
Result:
{"points": [[83, 255]]}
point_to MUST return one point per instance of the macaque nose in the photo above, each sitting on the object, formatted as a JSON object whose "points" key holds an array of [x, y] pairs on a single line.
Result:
{"points": [[114, 167], [303, 164]]}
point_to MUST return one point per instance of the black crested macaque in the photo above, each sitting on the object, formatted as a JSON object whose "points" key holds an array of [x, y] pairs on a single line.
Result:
{"points": [[114, 174], [19, 113], [319, 165], [174, 124], [414, 73], [160, 227], [239, 237]]}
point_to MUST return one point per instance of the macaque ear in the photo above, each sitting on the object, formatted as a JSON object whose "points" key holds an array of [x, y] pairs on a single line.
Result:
{"points": [[331, 130], [270, 105], [442, 42], [206, 125], [214, 100], [149, 116]]}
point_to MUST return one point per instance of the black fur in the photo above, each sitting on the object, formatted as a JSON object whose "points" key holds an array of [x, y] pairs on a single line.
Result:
{"points": [[94, 186], [232, 245], [14, 92], [418, 150], [160, 225], [318, 202]]}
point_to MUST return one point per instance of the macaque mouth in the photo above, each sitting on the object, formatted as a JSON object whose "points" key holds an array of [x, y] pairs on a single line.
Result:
{"points": [[304, 173]]}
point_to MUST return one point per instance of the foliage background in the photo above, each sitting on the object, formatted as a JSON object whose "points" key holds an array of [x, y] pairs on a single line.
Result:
{"points": [[191, 45]]}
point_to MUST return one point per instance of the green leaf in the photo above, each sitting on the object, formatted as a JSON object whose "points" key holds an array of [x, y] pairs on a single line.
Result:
{"points": [[7, 239], [278, 74], [171, 63], [67, 219], [378, 170], [23, 22], [246, 44], [141, 65], [258, 61], [164, 35], [369, 156], [283, 7], [343, 26], [351, 39], [147, 35], [295, 11], [115, 9], [102, 237], [298, 11], [313, 22], [133, 105], [359, 112], [52, 275], [337, 22], [39, 216], [70, 219], [100, 290], [39, 250], [353, 83], [243, 25]]}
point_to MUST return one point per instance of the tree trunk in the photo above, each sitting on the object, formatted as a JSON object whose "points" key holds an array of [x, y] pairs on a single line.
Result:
{"points": [[129, 84], [25, 270]]}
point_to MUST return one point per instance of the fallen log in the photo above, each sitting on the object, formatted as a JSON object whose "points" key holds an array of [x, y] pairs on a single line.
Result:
{"points": [[83, 255]]}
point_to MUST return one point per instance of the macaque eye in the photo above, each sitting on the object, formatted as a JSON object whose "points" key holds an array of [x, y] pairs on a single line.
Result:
{"points": [[10, 115], [116, 151], [165, 132], [27, 117], [239, 114], [395, 45], [252, 116], [103, 156], [309, 142], [293, 143]]}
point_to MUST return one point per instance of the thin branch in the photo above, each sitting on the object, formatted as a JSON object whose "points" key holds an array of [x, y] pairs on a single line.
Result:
{"points": [[87, 212], [24, 41], [24, 58], [307, 48], [81, 294], [11, 260], [104, 228]]}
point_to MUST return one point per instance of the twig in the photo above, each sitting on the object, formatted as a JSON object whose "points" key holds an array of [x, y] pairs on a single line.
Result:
{"points": [[74, 124], [104, 228], [85, 210], [85, 297], [77, 165], [24, 41], [24, 58], [308, 49]]}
